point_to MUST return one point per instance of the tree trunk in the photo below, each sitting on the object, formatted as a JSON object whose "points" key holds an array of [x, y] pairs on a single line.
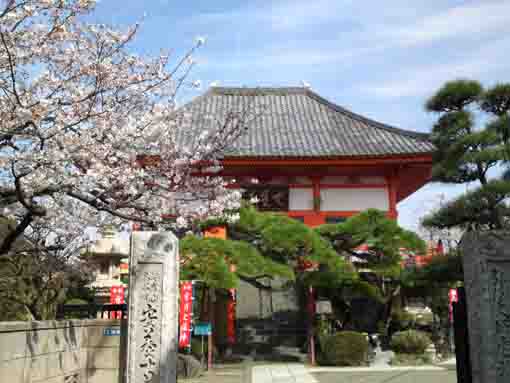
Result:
{"points": [[388, 311]]}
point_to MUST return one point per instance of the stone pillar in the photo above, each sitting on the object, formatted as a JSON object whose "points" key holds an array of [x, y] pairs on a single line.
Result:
{"points": [[487, 283], [153, 311]]}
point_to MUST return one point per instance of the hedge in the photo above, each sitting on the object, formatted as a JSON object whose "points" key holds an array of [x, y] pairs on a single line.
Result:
{"points": [[347, 348], [410, 342]]}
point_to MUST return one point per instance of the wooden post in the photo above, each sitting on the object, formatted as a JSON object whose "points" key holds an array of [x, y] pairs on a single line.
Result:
{"points": [[210, 340], [311, 337]]}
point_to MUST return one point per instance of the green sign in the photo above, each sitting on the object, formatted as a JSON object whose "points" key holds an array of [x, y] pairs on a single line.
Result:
{"points": [[111, 332], [202, 328]]}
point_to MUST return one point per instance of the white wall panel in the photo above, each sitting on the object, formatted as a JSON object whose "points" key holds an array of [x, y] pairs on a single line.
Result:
{"points": [[300, 199], [354, 199]]}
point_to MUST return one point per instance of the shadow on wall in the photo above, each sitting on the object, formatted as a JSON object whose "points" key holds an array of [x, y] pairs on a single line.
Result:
{"points": [[71, 350]]}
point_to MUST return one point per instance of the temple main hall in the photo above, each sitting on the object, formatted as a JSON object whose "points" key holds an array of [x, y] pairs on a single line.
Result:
{"points": [[314, 160]]}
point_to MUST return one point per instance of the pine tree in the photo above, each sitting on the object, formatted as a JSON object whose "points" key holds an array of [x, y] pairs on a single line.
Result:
{"points": [[260, 246], [382, 238], [466, 151]]}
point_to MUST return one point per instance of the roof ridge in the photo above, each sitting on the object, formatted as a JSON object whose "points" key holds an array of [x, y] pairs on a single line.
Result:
{"points": [[374, 123], [247, 91]]}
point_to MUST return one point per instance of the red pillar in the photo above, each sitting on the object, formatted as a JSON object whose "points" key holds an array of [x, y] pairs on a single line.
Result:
{"points": [[393, 184]]}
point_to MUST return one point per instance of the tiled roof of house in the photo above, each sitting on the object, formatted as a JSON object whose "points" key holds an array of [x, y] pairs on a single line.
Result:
{"points": [[297, 122]]}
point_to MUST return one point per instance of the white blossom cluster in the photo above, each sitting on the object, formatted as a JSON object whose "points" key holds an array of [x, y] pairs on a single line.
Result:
{"points": [[78, 108]]}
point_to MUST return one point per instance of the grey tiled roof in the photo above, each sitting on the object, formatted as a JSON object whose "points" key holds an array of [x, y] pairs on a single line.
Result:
{"points": [[296, 122]]}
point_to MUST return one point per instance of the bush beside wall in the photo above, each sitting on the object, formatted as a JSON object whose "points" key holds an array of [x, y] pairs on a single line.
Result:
{"points": [[345, 348], [410, 342]]}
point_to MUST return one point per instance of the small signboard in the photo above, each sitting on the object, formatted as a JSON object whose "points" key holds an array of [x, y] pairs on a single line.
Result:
{"points": [[111, 332], [323, 307], [203, 329]]}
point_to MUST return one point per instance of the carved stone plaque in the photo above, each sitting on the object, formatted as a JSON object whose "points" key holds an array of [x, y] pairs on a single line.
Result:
{"points": [[153, 316], [487, 282]]}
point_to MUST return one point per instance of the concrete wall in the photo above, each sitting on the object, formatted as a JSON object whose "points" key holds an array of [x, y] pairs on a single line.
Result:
{"points": [[69, 351]]}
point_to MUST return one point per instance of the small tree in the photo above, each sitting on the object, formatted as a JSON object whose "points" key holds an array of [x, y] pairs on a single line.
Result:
{"points": [[38, 273], [467, 151], [434, 280], [383, 238]]}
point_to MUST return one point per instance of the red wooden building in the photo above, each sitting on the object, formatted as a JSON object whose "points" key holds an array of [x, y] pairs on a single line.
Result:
{"points": [[312, 158]]}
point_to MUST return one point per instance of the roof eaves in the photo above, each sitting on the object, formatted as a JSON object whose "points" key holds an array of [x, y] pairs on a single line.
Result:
{"points": [[376, 124]]}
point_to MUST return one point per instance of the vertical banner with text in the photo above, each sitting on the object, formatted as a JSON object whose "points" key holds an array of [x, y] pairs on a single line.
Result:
{"points": [[185, 314], [231, 313], [117, 298]]}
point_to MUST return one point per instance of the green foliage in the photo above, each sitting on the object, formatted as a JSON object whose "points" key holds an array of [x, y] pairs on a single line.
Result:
{"points": [[76, 301], [411, 360], [410, 342], [465, 153], [383, 236], [345, 348], [286, 241], [480, 208], [361, 288], [402, 320], [497, 100], [443, 270], [209, 260], [454, 95], [282, 238], [32, 284]]}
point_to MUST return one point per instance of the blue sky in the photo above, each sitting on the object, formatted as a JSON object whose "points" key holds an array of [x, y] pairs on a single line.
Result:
{"points": [[381, 59]]}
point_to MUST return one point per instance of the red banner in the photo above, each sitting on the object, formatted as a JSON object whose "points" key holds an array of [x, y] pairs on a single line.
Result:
{"points": [[117, 298], [231, 313], [185, 314], [231, 317]]}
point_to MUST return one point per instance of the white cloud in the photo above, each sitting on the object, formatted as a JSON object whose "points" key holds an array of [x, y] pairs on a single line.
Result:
{"points": [[460, 21], [274, 57], [278, 15], [424, 79]]}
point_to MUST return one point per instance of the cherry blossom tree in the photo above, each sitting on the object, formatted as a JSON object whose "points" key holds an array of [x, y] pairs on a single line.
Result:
{"points": [[82, 116], [39, 272]]}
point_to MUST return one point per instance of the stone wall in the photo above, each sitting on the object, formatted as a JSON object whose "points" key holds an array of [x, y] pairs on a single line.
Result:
{"points": [[487, 283], [68, 351]]}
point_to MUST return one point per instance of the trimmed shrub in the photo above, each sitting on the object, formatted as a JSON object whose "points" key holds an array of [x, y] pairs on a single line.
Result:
{"points": [[410, 342], [76, 301], [346, 348], [402, 320], [410, 360]]}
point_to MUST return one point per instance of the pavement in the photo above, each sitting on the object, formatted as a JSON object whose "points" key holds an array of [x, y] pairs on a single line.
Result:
{"points": [[299, 373]]}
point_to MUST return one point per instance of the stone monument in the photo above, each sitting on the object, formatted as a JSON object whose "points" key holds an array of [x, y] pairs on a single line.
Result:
{"points": [[153, 311], [487, 284]]}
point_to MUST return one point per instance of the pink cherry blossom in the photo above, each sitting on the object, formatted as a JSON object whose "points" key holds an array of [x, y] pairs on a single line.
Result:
{"points": [[78, 109]]}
